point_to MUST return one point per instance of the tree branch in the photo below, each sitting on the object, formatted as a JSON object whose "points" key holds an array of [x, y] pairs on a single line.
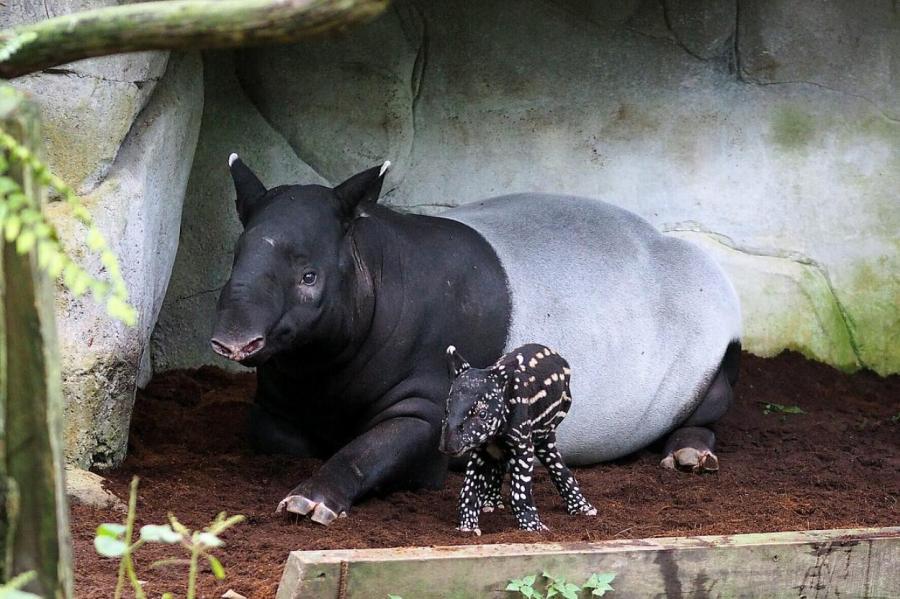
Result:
{"points": [[176, 24]]}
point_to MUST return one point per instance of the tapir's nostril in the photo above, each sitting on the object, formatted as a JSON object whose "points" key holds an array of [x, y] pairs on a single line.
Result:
{"points": [[237, 350]]}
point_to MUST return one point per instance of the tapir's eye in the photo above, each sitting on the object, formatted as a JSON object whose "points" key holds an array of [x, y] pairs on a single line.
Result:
{"points": [[309, 278], [482, 414]]}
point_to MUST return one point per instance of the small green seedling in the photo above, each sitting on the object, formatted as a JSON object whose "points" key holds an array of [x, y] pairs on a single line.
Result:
{"points": [[13, 588], [115, 540], [557, 586], [777, 408], [896, 418]]}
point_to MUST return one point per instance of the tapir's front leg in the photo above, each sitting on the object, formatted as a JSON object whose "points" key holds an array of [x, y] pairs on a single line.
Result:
{"points": [[398, 451]]}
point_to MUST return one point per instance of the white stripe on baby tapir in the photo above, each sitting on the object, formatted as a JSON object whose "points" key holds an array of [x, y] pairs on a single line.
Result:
{"points": [[644, 319]]}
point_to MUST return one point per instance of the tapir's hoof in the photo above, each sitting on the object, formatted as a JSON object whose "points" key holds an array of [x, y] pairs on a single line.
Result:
{"points": [[318, 512], [466, 529], [296, 504], [490, 506], [323, 515], [584, 510], [690, 459]]}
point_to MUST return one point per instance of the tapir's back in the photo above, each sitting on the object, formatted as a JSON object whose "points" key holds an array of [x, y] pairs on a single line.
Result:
{"points": [[643, 319]]}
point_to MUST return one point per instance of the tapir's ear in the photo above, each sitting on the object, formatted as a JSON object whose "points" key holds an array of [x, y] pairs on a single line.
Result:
{"points": [[455, 362], [361, 190], [248, 187]]}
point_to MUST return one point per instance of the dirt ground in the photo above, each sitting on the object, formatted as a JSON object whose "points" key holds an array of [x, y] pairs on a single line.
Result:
{"points": [[836, 466]]}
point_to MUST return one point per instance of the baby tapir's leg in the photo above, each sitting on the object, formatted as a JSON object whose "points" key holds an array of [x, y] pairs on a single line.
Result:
{"points": [[691, 448], [562, 477], [522, 470], [493, 498], [474, 490]]}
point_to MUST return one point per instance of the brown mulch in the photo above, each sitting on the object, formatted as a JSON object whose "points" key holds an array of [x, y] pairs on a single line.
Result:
{"points": [[836, 466]]}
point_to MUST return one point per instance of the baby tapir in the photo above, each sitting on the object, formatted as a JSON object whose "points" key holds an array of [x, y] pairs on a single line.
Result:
{"points": [[506, 415]]}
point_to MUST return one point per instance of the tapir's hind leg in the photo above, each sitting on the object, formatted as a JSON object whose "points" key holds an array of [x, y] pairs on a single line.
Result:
{"points": [[692, 446]]}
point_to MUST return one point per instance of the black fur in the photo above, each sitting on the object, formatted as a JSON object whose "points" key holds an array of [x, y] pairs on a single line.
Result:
{"points": [[346, 316]]}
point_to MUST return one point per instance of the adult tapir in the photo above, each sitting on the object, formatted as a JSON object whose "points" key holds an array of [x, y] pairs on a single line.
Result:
{"points": [[346, 308]]}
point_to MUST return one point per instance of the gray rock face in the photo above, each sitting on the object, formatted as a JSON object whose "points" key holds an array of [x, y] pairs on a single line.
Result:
{"points": [[138, 207], [849, 47], [210, 226], [786, 170], [79, 148]]}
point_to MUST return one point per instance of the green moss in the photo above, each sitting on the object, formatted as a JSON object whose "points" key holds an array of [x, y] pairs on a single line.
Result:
{"points": [[792, 128]]}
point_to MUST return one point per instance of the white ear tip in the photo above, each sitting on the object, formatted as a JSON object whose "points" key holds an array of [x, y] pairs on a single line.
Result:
{"points": [[384, 168], [232, 158], [451, 349]]}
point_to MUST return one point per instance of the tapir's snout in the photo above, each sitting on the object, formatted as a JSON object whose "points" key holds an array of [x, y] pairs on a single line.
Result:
{"points": [[450, 443], [237, 349]]}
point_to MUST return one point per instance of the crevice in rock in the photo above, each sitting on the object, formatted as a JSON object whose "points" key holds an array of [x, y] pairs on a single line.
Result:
{"points": [[790, 255], [888, 117], [668, 21], [243, 87], [199, 293], [73, 73], [736, 40]]}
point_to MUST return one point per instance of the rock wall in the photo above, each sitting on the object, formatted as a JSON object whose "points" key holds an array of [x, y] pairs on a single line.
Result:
{"points": [[122, 130], [767, 131]]}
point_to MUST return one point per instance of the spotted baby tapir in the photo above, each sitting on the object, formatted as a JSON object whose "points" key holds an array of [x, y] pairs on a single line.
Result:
{"points": [[507, 415]]}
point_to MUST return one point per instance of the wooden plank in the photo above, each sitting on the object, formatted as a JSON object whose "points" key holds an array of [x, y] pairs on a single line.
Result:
{"points": [[825, 563], [32, 396]]}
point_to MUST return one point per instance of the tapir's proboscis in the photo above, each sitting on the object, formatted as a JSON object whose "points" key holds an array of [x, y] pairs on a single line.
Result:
{"points": [[345, 307]]}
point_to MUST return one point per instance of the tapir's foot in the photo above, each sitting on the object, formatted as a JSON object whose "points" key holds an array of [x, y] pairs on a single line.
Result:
{"points": [[582, 509], [533, 526], [691, 449], [689, 459], [323, 511], [494, 504], [467, 529]]}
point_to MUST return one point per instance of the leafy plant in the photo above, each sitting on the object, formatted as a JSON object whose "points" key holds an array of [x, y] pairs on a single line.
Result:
{"points": [[896, 418], [777, 408], [13, 588], [23, 224], [115, 540], [557, 586]]}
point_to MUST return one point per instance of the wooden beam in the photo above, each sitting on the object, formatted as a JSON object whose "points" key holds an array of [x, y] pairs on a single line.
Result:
{"points": [[176, 24], [832, 563], [30, 394]]}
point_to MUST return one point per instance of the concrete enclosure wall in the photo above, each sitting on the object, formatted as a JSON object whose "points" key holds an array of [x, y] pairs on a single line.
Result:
{"points": [[765, 131]]}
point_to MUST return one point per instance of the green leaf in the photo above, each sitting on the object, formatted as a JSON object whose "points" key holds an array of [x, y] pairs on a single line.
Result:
{"points": [[94, 239], [529, 580], [569, 590], [208, 539], [113, 530], [25, 241], [12, 228], [394, 597], [168, 596], [109, 547], [57, 262], [552, 591], [217, 567], [16, 594], [159, 533], [600, 583]]}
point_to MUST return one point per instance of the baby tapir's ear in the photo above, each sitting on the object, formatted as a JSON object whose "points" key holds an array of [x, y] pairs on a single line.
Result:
{"points": [[361, 190], [247, 185], [455, 362]]}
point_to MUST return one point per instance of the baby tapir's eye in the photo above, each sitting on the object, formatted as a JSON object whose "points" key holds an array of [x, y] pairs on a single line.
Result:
{"points": [[482, 414], [308, 278]]}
